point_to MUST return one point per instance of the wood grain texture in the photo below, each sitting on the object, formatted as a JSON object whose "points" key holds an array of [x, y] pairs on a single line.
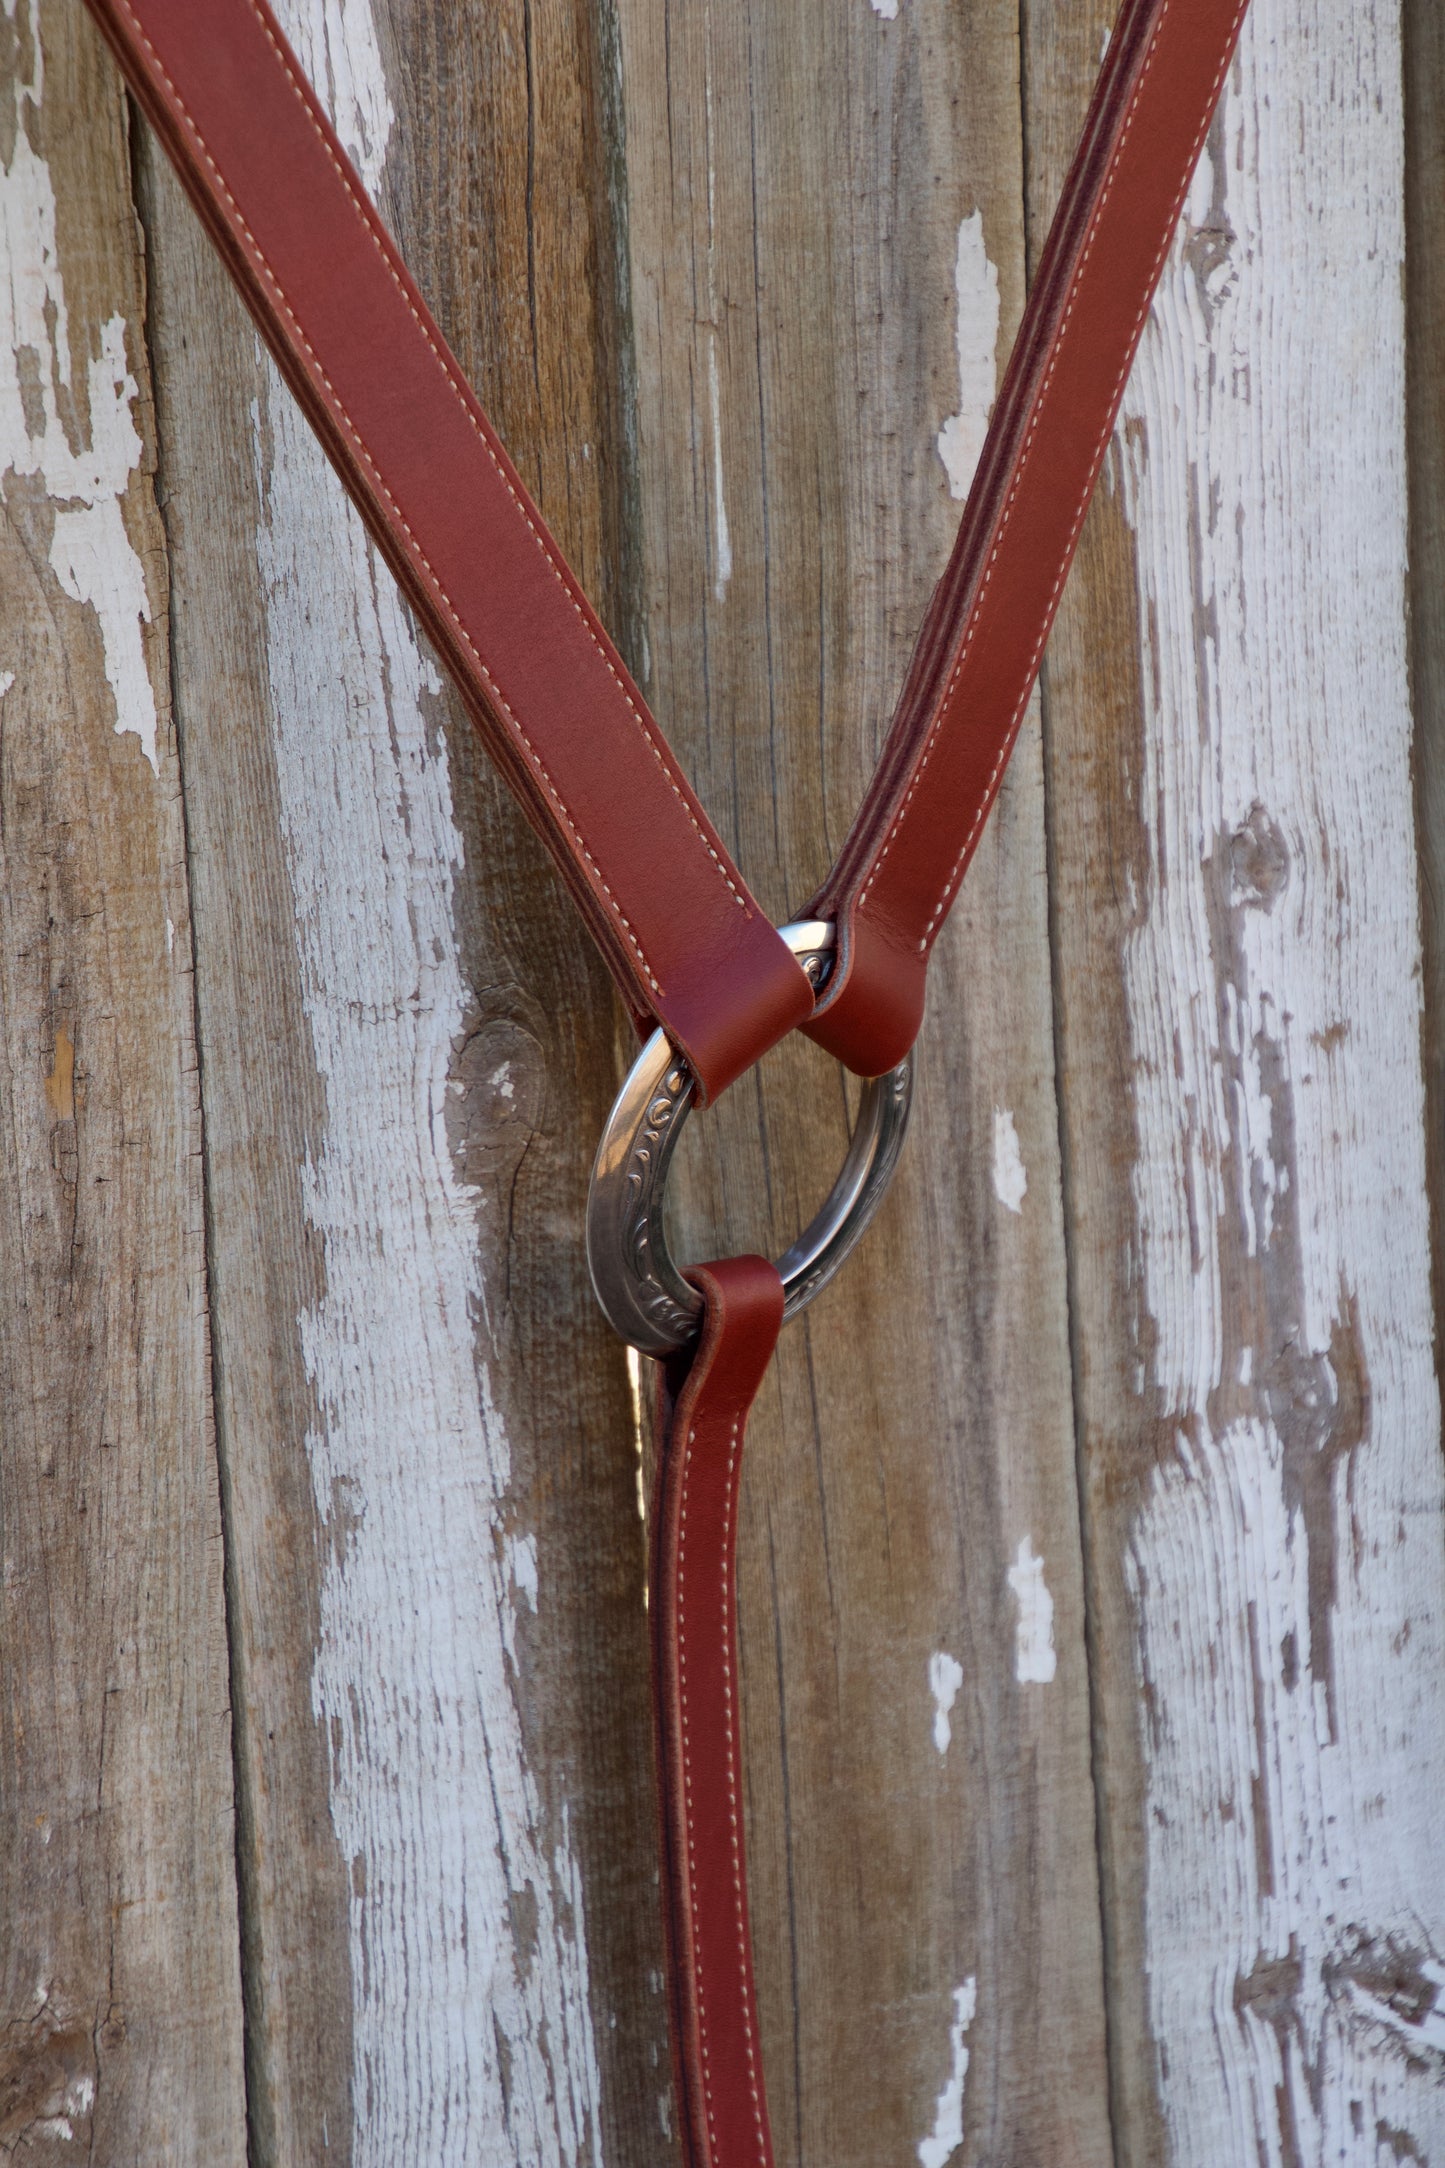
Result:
{"points": [[120, 2023], [452, 1942], [1424, 76], [824, 221], [1238, 964]]}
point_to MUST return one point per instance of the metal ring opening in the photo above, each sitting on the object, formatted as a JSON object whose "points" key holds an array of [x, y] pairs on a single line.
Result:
{"points": [[644, 1295]]}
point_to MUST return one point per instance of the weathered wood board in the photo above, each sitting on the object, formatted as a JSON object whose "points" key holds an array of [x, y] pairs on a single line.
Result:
{"points": [[1093, 1575], [1239, 971], [826, 250], [452, 1944], [120, 1978], [1424, 74]]}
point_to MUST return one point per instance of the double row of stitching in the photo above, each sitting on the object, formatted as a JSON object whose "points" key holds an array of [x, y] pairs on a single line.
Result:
{"points": [[560, 571], [744, 1970], [697, 1947], [398, 519], [975, 615], [735, 1835]]}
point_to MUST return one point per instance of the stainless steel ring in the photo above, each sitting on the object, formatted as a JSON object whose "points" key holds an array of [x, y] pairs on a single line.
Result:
{"points": [[644, 1295]]}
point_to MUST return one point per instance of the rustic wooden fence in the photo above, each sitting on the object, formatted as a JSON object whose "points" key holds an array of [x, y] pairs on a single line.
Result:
{"points": [[1093, 1585]]}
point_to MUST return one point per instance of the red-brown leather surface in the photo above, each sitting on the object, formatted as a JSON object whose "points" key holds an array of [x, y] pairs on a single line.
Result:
{"points": [[562, 718], [978, 653], [684, 938], [717, 2059]]}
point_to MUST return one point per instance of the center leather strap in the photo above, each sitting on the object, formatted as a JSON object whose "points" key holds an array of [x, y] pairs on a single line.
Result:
{"points": [[717, 2054], [978, 652]]}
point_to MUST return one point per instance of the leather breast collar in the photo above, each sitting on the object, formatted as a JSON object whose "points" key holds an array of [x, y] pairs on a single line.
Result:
{"points": [[693, 955]]}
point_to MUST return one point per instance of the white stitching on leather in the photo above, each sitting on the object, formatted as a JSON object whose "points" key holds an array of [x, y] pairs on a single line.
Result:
{"points": [[364, 211], [956, 871], [744, 1976], [339, 410], [687, 1781], [735, 1832]]}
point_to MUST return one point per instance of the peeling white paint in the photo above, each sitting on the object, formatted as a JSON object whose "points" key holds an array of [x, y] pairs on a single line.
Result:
{"points": [[886, 9], [641, 1431], [468, 2043], [81, 450], [170, 936], [1035, 1661], [1287, 1567], [975, 280], [77, 2101], [947, 2134], [722, 541], [522, 1563], [1010, 1178], [337, 45], [7, 679], [945, 1676]]}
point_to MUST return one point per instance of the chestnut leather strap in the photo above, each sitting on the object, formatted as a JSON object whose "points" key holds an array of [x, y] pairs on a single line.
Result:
{"points": [[978, 653], [569, 729], [560, 715], [716, 2053]]}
